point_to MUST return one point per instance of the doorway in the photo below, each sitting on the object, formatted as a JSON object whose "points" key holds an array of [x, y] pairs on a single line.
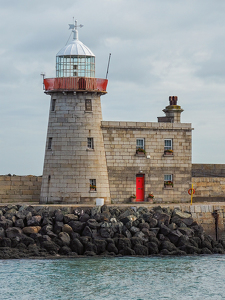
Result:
{"points": [[140, 187]]}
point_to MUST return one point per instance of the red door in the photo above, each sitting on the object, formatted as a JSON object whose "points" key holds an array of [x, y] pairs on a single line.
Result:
{"points": [[140, 187]]}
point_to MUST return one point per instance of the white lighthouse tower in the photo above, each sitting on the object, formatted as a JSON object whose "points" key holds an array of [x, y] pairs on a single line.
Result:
{"points": [[75, 168]]}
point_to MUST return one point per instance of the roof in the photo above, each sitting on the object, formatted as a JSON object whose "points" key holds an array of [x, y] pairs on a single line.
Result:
{"points": [[76, 47]]}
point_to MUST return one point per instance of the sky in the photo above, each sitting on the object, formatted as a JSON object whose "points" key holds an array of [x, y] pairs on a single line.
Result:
{"points": [[158, 49]]}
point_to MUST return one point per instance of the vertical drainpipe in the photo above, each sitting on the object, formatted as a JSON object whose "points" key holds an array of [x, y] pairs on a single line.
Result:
{"points": [[216, 217]]}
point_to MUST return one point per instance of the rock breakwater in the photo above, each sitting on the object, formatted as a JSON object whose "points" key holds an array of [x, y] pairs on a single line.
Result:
{"points": [[26, 231]]}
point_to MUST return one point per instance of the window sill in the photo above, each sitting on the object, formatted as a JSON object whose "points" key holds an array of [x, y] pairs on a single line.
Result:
{"points": [[88, 111], [92, 191], [90, 149], [168, 155], [168, 187], [140, 154]]}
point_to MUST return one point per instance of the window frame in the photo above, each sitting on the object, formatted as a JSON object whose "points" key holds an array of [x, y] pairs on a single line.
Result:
{"points": [[90, 143], [168, 180], [50, 143], [53, 103], [138, 146], [88, 105], [93, 186], [170, 147]]}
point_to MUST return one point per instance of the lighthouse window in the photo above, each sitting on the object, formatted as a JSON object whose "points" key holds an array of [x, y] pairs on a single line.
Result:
{"points": [[90, 143], [93, 185], [53, 104], [88, 105], [140, 144], [50, 143]]}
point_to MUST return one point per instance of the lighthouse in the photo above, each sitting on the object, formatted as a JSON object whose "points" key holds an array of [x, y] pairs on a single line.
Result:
{"points": [[75, 169]]}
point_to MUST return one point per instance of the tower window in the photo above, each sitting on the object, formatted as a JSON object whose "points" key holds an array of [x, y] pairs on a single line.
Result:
{"points": [[90, 143], [168, 146], [88, 105], [92, 184], [53, 104], [50, 143]]}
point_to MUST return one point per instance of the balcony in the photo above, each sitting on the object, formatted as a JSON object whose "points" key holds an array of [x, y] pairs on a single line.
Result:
{"points": [[76, 84]]}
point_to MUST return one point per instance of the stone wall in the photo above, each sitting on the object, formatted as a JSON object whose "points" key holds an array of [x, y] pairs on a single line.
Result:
{"points": [[17, 189], [209, 182], [124, 164]]}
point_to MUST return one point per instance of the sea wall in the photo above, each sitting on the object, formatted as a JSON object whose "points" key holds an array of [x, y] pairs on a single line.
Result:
{"points": [[209, 182], [40, 231], [17, 189]]}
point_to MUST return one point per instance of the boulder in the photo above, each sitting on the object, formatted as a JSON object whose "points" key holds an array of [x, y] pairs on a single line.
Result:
{"points": [[65, 250], [127, 251], [142, 236], [128, 218], [77, 246], [31, 229], [168, 246], [180, 214], [93, 224], [106, 232], [34, 221], [90, 247], [59, 215], [13, 232], [111, 247], [101, 245], [174, 236], [152, 248], [162, 218], [67, 228], [58, 227], [65, 238], [84, 218], [123, 243], [87, 231], [50, 246], [140, 250], [2, 232], [77, 226], [70, 217], [135, 240], [19, 223]]}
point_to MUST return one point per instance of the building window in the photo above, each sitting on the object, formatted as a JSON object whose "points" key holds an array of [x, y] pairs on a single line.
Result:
{"points": [[168, 146], [140, 146], [50, 143], [88, 105], [168, 181], [53, 104], [90, 143], [93, 185]]}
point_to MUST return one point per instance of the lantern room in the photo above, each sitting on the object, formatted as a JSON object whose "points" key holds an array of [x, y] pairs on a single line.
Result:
{"points": [[75, 59]]}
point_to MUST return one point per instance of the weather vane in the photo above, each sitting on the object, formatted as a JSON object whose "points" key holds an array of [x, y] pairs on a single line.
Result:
{"points": [[74, 29]]}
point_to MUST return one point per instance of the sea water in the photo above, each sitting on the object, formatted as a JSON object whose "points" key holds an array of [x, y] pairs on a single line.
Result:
{"points": [[189, 277]]}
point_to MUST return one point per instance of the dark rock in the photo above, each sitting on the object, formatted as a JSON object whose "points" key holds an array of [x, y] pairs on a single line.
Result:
{"points": [[135, 240], [65, 238], [126, 232], [206, 251], [106, 232], [127, 251], [144, 225], [93, 224], [90, 253], [140, 250], [84, 218], [6, 224], [2, 232], [65, 250], [46, 228], [13, 232], [91, 247], [172, 226], [31, 229], [46, 221], [142, 236], [154, 240], [183, 240], [87, 231], [57, 227], [77, 246], [70, 217], [96, 210], [162, 218], [101, 245], [152, 248], [128, 218], [111, 247], [186, 231], [164, 229], [134, 229], [174, 236], [34, 221], [19, 223], [26, 240], [164, 252], [50, 246], [77, 226], [115, 211], [59, 215], [20, 215], [5, 242], [168, 246], [123, 243], [155, 230], [74, 235], [206, 244]]}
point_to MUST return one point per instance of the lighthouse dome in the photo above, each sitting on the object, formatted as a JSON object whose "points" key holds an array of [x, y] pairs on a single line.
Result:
{"points": [[75, 59], [76, 47]]}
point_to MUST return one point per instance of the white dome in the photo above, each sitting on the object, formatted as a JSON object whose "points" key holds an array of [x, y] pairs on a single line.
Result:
{"points": [[76, 47]]}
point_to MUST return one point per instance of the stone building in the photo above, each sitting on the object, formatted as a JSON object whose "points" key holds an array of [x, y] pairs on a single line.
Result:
{"points": [[87, 158]]}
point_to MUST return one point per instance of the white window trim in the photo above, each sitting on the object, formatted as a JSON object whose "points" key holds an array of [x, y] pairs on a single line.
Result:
{"points": [[140, 139], [91, 147], [168, 147]]}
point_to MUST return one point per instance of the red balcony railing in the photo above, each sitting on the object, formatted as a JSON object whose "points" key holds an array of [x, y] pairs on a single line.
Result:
{"points": [[75, 84]]}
